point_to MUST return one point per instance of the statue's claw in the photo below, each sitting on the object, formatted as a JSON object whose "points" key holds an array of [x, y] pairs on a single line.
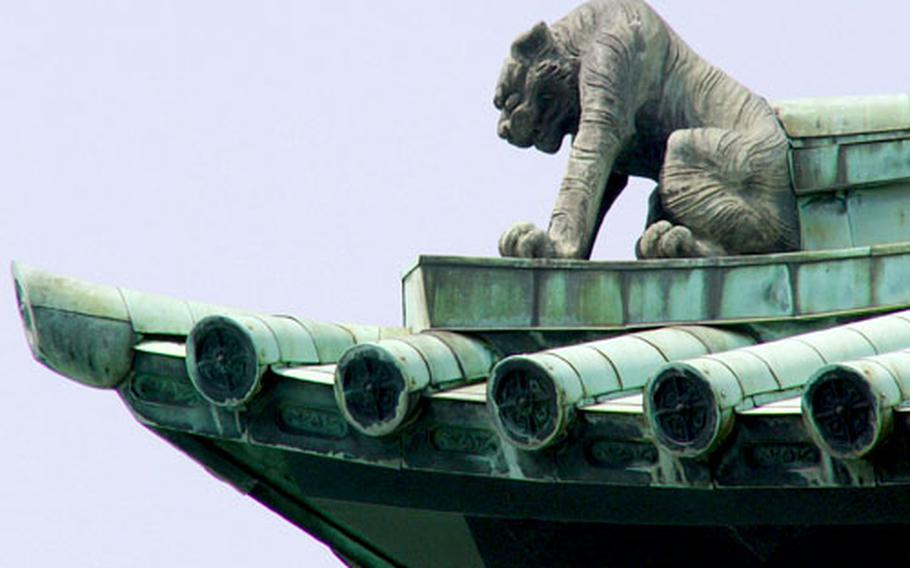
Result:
{"points": [[525, 240], [666, 240]]}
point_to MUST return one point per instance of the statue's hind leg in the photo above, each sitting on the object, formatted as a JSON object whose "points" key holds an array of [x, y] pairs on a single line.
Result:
{"points": [[723, 193]]}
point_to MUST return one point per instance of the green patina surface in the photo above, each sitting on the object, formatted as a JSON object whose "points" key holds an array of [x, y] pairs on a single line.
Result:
{"points": [[850, 169], [838, 116], [459, 293], [743, 378]]}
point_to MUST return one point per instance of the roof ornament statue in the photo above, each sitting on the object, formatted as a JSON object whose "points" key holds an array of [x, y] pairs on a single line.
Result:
{"points": [[638, 101]]}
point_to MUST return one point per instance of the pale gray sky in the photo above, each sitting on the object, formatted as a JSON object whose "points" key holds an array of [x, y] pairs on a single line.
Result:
{"points": [[286, 157]]}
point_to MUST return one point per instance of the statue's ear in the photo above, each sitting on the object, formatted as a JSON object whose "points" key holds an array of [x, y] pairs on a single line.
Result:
{"points": [[531, 44]]}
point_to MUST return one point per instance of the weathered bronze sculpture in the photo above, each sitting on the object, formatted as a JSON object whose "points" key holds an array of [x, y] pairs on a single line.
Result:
{"points": [[638, 101]]}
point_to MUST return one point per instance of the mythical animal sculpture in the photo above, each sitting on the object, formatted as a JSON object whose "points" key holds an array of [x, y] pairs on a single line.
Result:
{"points": [[638, 101]]}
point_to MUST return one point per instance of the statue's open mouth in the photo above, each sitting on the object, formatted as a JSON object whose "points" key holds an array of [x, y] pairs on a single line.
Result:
{"points": [[546, 139], [548, 142], [517, 129]]}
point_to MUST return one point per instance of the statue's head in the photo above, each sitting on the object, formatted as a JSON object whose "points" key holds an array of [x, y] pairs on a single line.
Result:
{"points": [[537, 92]]}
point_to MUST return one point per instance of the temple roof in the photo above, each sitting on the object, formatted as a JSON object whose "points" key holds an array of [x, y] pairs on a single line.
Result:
{"points": [[306, 416]]}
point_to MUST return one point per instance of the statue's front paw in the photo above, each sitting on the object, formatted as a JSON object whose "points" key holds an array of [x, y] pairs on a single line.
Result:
{"points": [[526, 241]]}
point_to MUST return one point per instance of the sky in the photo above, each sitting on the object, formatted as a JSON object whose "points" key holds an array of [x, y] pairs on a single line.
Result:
{"points": [[286, 157]]}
